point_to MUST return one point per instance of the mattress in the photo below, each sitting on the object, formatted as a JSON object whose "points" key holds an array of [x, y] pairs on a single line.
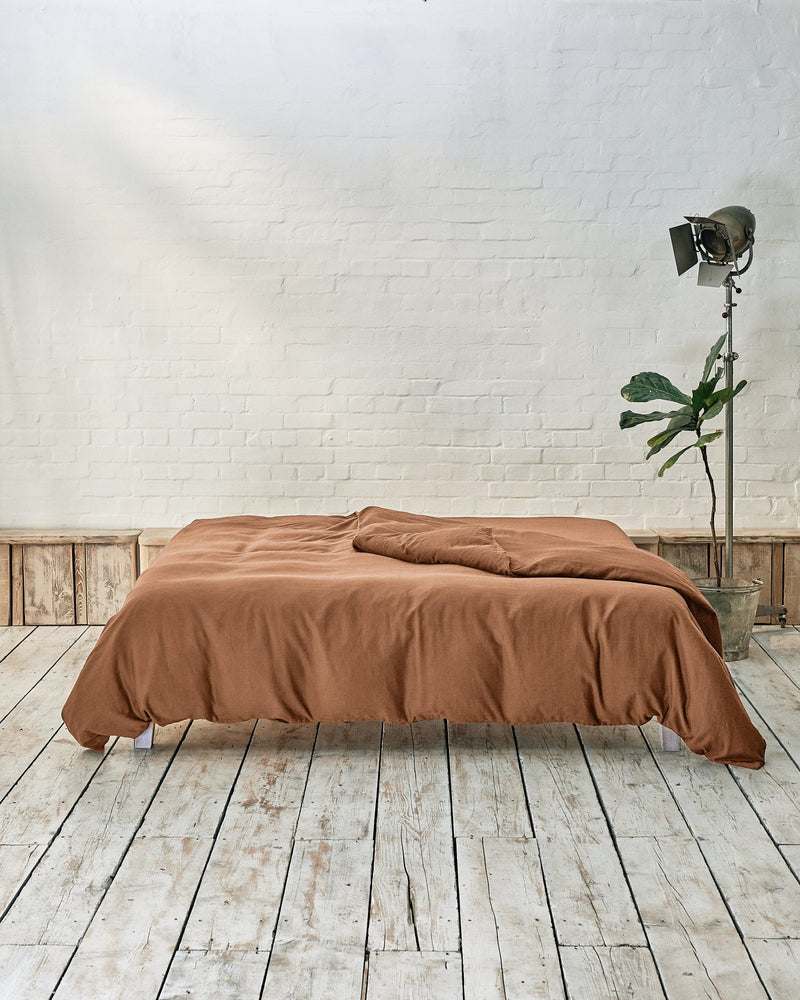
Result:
{"points": [[398, 617]]}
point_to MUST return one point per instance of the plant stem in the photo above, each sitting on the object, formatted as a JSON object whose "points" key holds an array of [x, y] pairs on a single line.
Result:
{"points": [[715, 547]]}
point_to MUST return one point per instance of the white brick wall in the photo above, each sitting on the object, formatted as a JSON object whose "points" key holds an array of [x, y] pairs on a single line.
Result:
{"points": [[304, 256]]}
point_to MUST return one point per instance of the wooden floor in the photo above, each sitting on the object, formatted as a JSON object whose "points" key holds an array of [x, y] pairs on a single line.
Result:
{"points": [[363, 862]]}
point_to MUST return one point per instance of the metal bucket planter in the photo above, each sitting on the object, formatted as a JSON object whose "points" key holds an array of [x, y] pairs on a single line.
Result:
{"points": [[736, 604]]}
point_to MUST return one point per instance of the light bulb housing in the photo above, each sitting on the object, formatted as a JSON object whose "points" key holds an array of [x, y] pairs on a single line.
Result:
{"points": [[720, 239]]}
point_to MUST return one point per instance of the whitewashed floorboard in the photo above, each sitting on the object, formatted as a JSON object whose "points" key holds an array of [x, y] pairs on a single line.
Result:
{"points": [[416, 975], [34, 810], [71, 879], [30, 660], [129, 944], [792, 855], [634, 797], [414, 903], [694, 941], [589, 896], [621, 973], [778, 963], [773, 790], [507, 935], [773, 693], [24, 968], [31, 723], [487, 791], [204, 772], [762, 892], [339, 801], [215, 974], [783, 645], [320, 943], [11, 636], [299, 853], [237, 904]]}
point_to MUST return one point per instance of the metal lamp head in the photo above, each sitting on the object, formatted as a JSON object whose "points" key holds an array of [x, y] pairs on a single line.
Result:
{"points": [[726, 234], [720, 239]]}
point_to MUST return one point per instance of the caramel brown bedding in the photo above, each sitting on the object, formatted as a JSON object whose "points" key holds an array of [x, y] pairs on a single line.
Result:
{"points": [[399, 617]]}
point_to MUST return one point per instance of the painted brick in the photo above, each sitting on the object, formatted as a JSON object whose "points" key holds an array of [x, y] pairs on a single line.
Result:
{"points": [[415, 274]]}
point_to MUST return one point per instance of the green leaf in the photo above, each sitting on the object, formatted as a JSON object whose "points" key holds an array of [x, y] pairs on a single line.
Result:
{"points": [[737, 389], [631, 419], [703, 440], [684, 420], [710, 413], [723, 395], [702, 396], [671, 461], [660, 441], [647, 386], [713, 354]]}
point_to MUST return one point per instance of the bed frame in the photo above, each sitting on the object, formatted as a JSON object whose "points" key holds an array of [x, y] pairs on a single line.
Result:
{"points": [[669, 741]]}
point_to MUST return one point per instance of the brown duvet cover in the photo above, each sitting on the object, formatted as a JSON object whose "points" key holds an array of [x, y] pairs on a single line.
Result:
{"points": [[400, 617]]}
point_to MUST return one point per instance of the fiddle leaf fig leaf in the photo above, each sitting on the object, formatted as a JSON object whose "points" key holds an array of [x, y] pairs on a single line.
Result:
{"points": [[647, 386], [705, 439], [713, 354], [701, 442], [631, 419], [711, 412], [717, 400], [724, 395], [660, 441], [683, 420], [702, 396], [672, 460]]}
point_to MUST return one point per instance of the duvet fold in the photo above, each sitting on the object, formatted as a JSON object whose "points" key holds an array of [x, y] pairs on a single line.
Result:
{"points": [[530, 553]]}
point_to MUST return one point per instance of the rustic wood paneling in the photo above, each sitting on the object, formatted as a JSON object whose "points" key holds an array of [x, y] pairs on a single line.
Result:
{"points": [[777, 577], [758, 554], [66, 577], [692, 557], [643, 539], [17, 594], [151, 542], [79, 567], [5, 584], [753, 561], [110, 574], [791, 580], [48, 586]]}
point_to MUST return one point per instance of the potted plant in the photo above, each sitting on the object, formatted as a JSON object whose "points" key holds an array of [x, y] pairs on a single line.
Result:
{"points": [[734, 600]]}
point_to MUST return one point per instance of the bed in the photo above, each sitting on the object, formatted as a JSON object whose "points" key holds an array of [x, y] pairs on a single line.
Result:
{"points": [[400, 617]]}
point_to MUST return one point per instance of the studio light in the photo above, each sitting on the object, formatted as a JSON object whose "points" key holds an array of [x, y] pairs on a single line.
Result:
{"points": [[718, 241]]}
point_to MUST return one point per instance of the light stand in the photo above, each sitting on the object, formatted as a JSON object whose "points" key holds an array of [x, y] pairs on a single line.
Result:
{"points": [[728, 359], [720, 239]]}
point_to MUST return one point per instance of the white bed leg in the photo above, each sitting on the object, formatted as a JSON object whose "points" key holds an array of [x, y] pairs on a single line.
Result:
{"points": [[145, 741], [669, 741]]}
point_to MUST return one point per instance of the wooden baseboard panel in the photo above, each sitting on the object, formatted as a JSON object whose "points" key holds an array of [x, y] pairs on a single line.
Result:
{"points": [[65, 577]]}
